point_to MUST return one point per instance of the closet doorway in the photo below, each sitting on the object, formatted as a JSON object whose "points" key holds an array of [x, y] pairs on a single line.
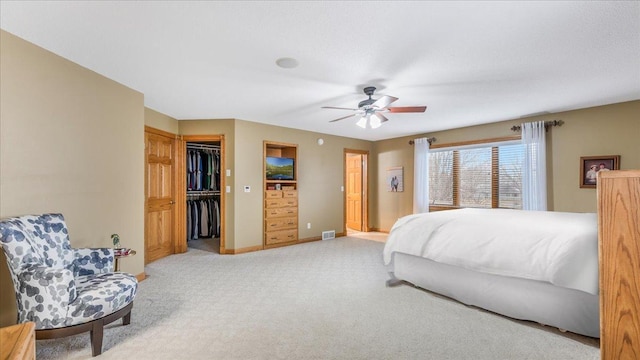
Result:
{"points": [[355, 196], [202, 193]]}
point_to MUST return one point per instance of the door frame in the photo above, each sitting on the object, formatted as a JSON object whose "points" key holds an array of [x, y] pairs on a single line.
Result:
{"points": [[365, 188], [181, 198]]}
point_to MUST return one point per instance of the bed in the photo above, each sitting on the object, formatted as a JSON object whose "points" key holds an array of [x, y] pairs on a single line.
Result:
{"points": [[530, 265]]}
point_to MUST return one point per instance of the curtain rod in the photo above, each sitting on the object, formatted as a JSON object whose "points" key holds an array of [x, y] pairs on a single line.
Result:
{"points": [[547, 125], [430, 140]]}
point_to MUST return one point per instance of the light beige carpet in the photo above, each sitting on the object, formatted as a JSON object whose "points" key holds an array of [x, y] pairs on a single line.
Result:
{"points": [[319, 300], [370, 235]]}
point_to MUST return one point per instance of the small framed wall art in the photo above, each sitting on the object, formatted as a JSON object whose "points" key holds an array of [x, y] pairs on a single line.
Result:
{"points": [[395, 181], [591, 165]]}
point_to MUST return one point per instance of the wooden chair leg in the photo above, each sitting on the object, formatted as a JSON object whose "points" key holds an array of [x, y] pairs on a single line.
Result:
{"points": [[126, 320], [95, 328], [96, 338]]}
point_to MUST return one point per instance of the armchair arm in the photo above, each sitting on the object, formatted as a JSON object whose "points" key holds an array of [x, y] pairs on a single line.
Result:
{"points": [[89, 261], [44, 295]]}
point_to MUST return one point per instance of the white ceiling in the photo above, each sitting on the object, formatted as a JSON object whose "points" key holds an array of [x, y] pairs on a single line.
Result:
{"points": [[469, 62]]}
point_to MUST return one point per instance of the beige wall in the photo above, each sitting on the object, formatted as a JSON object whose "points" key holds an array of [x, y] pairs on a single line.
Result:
{"points": [[392, 205], [604, 130], [224, 127], [320, 176], [160, 121], [70, 142]]}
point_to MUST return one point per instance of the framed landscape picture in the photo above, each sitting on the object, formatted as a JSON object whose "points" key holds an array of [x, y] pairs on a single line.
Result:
{"points": [[591, 165]]}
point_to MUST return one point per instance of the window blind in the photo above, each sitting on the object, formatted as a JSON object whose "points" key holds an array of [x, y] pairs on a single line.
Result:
{"points": [[480, 176]]}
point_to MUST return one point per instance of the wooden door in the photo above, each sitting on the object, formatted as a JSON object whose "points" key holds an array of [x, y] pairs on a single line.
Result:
{"points": [[159, 200], [354, 191]]}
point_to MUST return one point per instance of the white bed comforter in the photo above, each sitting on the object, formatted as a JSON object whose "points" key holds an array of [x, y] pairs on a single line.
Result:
{"points": [[556, 247]]}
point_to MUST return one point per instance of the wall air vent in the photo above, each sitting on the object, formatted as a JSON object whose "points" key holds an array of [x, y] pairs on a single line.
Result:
{"points": [[327, 235]]}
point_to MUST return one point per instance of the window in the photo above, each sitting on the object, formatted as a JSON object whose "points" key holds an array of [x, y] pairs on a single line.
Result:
{"points": [[481, 175]]}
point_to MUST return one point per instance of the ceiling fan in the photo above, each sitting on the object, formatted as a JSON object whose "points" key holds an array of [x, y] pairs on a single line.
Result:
{"points": [[370, 110]]}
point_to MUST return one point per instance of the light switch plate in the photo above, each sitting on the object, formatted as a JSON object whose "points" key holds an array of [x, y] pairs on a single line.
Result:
{"points": [[228, 189], [228, 172]]}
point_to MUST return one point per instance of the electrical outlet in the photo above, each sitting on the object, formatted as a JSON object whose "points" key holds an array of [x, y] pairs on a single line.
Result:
{"points": [[308, 225]]}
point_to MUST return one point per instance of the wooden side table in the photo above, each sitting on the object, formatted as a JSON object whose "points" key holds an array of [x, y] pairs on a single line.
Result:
{"points": [[118, 257], [18, 341]]}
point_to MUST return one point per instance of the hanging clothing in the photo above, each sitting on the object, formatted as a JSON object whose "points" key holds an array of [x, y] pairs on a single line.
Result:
{"points": [[203, 175], [203, 218], [203, 169]]}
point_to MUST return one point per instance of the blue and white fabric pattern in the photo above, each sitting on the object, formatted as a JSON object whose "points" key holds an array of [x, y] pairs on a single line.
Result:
{"points": [[56, 285]]}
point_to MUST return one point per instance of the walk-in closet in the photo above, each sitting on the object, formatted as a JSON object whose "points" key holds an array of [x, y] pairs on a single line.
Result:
{"points": [[204, 219]]}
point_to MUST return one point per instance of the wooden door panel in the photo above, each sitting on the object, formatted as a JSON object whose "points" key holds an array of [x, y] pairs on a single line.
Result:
{"points": [[159, 222], [159, 225], [159, 181], [160, 147], [354, 213], [354, 192]]}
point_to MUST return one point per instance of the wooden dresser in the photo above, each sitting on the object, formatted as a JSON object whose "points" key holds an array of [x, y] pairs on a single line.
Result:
{"points": [[280, 216], [280, 194], [18, 342], [619, 252]]}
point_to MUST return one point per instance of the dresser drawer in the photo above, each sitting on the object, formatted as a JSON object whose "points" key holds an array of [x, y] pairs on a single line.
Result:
{"points": [[280, 212], [290, 193], [273, 194], [279, 203], [281, 223], [277, 237]]}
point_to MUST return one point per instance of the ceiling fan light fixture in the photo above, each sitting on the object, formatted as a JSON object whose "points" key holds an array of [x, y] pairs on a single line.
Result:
{"points": [[370, 110], [375, 122]]}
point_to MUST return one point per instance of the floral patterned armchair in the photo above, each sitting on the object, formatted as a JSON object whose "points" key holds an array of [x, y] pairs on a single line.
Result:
{"points": [[65, 291]]}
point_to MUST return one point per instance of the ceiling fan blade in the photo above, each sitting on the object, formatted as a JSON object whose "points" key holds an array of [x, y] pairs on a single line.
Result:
{"points": [[384, 101], [342, 118], [407, 109], [338, 108]]}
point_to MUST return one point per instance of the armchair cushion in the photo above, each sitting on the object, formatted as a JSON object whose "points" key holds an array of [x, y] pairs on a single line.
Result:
{"points": [[89, 261], [100, 295]]}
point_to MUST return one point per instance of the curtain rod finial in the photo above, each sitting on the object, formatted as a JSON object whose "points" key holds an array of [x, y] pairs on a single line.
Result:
{"points": [[430, 140]]}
